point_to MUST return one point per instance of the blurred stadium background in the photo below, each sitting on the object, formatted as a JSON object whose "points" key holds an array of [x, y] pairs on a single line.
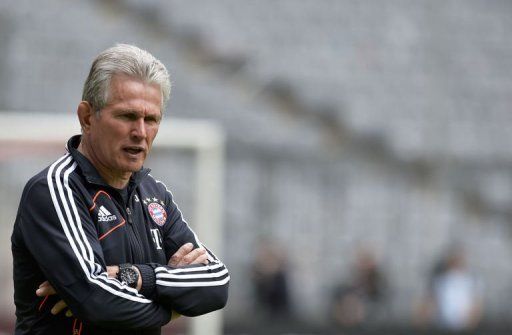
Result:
{"points": [[355, 130]]}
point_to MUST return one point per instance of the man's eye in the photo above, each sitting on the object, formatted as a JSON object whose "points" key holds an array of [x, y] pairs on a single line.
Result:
{"points": [[128, 116], [151, 120]]}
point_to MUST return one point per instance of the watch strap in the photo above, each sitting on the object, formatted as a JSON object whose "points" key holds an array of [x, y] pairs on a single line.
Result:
{"points": [[148, 277]]}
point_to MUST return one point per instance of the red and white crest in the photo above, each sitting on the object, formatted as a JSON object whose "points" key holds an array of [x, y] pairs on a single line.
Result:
{"points": [[157, 213]]}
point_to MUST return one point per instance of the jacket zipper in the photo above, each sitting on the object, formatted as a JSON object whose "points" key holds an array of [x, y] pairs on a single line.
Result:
{"points": [[133, 236], [137, 247]]}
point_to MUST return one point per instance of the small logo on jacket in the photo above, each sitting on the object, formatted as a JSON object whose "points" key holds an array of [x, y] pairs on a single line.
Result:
{"points": [[105, 216], [157, 213]]}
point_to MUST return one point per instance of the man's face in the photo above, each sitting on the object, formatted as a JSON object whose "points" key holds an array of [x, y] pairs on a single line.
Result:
{"points": [[122, 134]]}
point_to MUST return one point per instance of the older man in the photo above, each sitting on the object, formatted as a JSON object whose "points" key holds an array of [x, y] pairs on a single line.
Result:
{"points": [[96, 228]]}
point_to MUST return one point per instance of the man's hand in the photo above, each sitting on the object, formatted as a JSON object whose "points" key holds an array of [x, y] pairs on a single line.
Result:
{"points": [[187, 255], [47, 289]]}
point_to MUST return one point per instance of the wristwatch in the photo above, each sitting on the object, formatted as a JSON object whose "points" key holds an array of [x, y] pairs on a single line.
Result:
{"points": [[127, 274]]}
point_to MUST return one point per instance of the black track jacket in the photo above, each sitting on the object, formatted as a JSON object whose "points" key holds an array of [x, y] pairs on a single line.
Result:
{"points": [[70, 225]]}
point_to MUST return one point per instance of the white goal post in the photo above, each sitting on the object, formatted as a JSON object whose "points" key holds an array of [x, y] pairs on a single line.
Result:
{"points": [[204, 138]]}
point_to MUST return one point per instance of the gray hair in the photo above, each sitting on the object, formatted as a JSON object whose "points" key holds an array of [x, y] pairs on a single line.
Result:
{"points": [[124, 59]]}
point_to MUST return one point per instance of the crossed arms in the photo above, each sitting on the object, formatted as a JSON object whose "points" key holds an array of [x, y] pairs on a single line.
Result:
{"points": [[57, 230], [186, 255]]}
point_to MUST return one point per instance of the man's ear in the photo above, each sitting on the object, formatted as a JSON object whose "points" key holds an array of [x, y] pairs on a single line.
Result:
{"points": [[85, 114]]}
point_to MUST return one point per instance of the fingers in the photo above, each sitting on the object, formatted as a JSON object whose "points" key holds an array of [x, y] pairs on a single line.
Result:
{"points": [[59, 306], [112, 271], [202, 259], [45, 289], [186, 255], [177, 258], [196, 256]]}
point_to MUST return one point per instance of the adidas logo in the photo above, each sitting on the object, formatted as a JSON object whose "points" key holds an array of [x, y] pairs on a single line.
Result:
{"points": [[105, 216]]}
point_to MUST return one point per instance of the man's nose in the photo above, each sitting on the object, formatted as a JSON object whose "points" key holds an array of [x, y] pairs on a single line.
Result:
{"points": [[139, 129]]}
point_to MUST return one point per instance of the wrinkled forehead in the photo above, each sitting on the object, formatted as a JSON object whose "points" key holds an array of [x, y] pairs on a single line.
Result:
{"points": [[123, 87], [127, 90]]}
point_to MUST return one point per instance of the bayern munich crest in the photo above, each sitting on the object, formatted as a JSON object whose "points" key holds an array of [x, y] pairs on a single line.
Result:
{"points": [[157, 213]]}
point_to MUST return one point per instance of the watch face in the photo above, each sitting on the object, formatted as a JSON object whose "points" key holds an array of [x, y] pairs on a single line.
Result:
{"points": [[129, 276]]}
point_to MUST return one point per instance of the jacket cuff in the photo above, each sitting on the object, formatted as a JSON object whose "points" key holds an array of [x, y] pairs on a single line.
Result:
{"points": [[148, 277]]}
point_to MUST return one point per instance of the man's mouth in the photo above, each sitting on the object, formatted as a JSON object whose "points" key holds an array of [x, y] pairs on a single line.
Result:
{"points": [[133, 150]]}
